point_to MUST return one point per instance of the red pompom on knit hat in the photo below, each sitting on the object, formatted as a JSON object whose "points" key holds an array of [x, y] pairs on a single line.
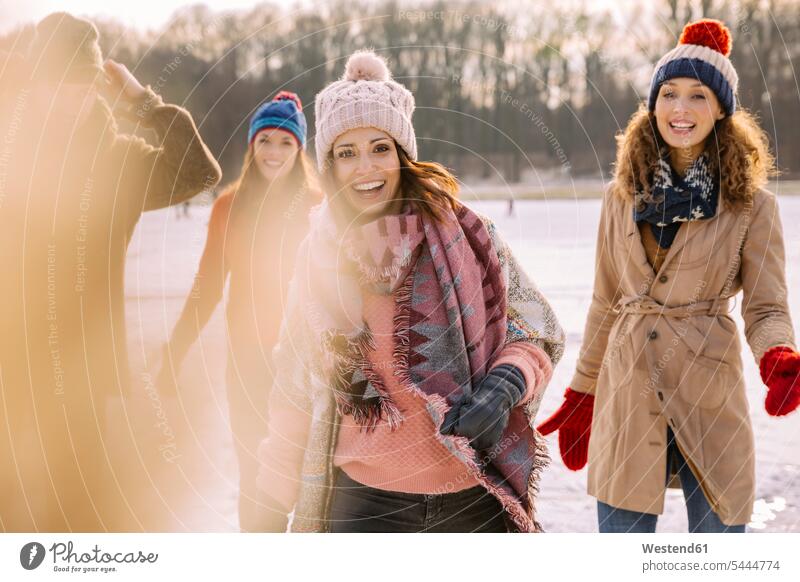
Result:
{"points": [[289, 96], [709, 33]]}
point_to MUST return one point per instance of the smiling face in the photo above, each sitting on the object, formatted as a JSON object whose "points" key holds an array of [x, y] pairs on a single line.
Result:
{"points": [[686, 111], [366, 170], [275, 152]]}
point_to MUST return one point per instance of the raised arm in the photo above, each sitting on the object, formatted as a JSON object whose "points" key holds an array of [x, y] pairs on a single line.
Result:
{"points": [[171, 172]]}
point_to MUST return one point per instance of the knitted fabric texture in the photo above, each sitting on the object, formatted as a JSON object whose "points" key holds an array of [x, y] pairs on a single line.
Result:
{"points": [[284, 112], [780, 371], [678, 199], [366, 96], [702, 54], [573, 421]]}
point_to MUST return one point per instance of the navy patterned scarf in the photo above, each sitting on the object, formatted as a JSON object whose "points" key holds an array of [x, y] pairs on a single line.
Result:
{"points": [[678, 199]]}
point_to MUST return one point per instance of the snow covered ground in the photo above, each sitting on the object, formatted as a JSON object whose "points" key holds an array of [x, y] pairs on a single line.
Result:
{"points": [[182, 450]]}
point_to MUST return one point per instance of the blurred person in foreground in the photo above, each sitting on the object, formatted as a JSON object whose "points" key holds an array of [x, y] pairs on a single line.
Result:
{"points": [[73, 189]]}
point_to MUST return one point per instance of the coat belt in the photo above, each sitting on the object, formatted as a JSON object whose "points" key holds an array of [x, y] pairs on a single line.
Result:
{"points": [[685, 332], [646, 305]]}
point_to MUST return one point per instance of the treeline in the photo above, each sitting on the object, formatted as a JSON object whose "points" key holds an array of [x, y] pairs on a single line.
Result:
{"points": [[502, 89]]}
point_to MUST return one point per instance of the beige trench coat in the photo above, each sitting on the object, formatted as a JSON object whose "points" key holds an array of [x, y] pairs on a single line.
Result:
{"points": [[660, 348]]}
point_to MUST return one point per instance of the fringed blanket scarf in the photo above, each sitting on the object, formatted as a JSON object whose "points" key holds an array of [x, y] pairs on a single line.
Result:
{"points": [[451, 320]]}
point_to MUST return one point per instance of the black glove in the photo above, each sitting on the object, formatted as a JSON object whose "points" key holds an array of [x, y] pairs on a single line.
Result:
{"points": [[272, 517], [484, 417]]}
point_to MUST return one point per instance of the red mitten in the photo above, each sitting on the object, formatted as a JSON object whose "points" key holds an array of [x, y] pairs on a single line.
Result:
{"points": [[573, 421], [780, 371]]}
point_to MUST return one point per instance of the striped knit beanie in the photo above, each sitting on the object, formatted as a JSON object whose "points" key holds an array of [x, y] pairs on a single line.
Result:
{"points": [[702, 54], [366, 96], [285, 112]]}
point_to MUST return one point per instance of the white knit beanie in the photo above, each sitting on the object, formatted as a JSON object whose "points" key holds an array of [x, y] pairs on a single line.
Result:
{"points": [[366, 96]]}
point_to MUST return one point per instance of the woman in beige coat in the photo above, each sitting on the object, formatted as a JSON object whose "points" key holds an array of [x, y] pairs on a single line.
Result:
{"points": [[684, 226]]}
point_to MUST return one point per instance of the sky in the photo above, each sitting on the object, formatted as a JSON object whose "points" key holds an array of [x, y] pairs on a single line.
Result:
{"points": [[145, 14]]}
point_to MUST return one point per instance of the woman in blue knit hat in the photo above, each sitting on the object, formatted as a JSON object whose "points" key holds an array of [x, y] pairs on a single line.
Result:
{"points": [[685, 225], [254, 231]]}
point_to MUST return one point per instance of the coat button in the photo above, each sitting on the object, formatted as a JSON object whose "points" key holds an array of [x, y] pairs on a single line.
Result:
{"points": [[663, 279], [653, 335], [661, 396]]}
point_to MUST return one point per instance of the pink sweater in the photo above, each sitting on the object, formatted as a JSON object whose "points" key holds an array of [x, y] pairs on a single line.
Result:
{"points": [[410, 459]]}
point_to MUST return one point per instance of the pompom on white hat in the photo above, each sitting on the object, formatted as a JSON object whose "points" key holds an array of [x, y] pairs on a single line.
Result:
{"points": [[365, 96]]}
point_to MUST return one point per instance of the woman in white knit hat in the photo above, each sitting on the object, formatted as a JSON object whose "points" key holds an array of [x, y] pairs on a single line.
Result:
{"points": [[685, 225], [415, 350]]}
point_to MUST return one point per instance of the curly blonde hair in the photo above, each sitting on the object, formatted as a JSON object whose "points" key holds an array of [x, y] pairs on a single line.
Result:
{"points": [[737, 148]]}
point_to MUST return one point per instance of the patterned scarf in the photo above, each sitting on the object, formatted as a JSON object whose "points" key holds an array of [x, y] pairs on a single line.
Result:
{"points": [[450, 322], [678, 199], [445, 337]]}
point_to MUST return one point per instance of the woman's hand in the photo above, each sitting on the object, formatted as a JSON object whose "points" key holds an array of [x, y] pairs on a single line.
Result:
{"points": [[780, 371], [484, 418], [121, 85], [573, 421]]}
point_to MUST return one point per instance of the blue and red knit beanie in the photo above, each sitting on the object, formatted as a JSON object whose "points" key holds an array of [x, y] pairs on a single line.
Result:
{"points": [[702, 54], [285, 112]]}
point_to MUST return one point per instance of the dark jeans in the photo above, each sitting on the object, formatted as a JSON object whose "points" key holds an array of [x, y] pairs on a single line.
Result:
{"points": [[359, 508], [702, 518]]}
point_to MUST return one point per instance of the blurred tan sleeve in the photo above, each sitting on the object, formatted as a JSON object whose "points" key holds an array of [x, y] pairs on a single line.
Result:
{"points": [[176, 169]]}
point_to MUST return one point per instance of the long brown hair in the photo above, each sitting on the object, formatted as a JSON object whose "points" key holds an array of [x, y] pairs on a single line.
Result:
{"points": [[429, 186], [737, 148], [301, 181]]}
